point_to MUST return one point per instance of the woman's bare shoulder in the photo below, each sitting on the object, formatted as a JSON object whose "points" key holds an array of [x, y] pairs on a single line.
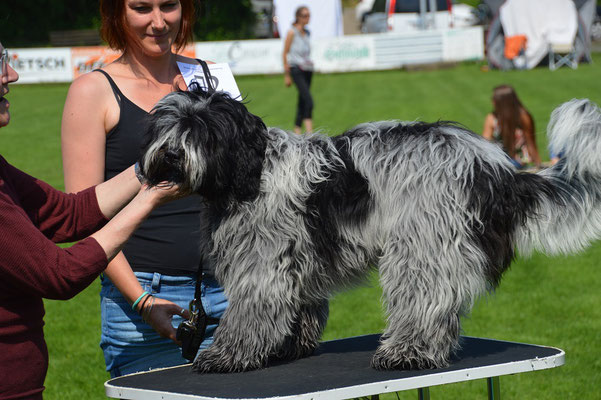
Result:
{"points": [[90, 84]]}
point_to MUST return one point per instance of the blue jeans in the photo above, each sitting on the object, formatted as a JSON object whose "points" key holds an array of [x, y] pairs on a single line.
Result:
{"points": [[129, 344]]}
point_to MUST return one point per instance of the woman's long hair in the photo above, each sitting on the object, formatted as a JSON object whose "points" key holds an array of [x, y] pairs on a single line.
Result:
{"points": [[507, 111]]}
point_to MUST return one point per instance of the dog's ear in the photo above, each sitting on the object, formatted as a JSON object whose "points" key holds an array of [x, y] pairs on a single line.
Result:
{"points": [[249, 155], [235, 143]]}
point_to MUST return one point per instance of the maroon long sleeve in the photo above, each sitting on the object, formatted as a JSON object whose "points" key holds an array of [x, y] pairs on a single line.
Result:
{"points": [[33, 216]]}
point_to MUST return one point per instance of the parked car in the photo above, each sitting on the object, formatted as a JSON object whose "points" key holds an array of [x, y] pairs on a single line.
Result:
{"points": [[265, 27], [404, 16], [362, 9]]}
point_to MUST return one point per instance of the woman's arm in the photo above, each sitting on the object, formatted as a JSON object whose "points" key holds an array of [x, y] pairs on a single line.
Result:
{"points": [[111, 197], [489, 127], [287, 44], [91, 111], [32, 263], [528, 128], [88, 112]]}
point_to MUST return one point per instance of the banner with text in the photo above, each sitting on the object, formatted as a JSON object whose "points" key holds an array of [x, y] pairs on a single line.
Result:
{"points": [[42, 65], [248, 57]]}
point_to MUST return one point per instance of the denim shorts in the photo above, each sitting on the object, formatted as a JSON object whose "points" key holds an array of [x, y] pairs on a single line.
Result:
{"points": [[129, 344]]}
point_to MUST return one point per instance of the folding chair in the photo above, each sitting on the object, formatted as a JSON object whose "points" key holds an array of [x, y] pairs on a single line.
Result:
{"points": [[562, 54]]}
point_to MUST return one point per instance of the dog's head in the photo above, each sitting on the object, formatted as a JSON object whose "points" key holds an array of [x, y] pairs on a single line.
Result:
{"points": [[207, 143]]}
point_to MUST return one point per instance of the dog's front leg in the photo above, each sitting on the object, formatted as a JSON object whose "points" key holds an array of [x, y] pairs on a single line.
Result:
{"points": [[306, 332], [251, 330]]}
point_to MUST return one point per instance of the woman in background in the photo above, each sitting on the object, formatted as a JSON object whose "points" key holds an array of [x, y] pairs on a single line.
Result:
{"points": [[512, 127], [102, 133], [298, 67]]}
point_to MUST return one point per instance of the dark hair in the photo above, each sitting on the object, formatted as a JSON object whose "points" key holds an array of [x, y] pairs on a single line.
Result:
{"points": [[298, 12], [508, 108], [114, 28]]}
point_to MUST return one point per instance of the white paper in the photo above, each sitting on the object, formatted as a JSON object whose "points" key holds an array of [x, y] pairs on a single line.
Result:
{"points": [[221, 77]]}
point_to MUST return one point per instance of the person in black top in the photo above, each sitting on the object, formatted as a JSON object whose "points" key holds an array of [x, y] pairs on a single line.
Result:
{"points": [[112, 104]]}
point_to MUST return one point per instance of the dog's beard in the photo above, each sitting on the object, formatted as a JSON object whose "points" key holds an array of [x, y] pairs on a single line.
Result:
{"points": [[165, 167]]}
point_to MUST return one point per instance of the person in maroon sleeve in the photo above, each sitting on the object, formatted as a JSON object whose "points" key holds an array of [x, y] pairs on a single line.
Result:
{"points": [[34, 216]]}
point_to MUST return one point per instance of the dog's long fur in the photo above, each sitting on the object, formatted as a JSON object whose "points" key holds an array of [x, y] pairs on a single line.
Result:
{"points": [[436, 208]]}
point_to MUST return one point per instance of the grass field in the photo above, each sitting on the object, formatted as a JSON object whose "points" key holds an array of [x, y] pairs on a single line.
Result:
{"points": [[542, 300]]}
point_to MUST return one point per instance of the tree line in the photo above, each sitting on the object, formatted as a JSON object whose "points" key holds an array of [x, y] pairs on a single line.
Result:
{"points": [[29, 23]]}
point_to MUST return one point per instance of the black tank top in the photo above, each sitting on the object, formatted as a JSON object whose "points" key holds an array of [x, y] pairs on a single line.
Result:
{"points": [[168, 241]]}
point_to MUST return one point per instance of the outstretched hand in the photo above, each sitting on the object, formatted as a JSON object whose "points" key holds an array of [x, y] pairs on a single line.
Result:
{"points": [[161, 314], [162, 193]]}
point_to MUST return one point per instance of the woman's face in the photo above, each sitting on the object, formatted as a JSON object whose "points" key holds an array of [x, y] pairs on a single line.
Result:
{"points": [[303, 16], [8, 75], [154, 24]]}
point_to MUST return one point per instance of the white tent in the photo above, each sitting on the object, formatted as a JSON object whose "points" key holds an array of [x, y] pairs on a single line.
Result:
{"points": [[326, 16], [543, 22]]}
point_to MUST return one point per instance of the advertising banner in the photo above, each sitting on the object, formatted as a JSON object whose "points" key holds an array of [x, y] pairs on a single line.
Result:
{"points": [[86, 59], [42, 65], [346, 53], [463, 44], [248, 57], [245, 57]]}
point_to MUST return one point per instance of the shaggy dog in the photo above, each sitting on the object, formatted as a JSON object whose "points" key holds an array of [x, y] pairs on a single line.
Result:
{"points": [[438, 210]]}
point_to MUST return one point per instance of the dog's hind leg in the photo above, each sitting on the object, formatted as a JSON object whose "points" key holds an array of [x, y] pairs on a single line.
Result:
{"points": [[425, 296], [306, 331]]}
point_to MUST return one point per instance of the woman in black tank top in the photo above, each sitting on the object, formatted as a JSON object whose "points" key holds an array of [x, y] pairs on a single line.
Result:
{"points": [[102, 132]]}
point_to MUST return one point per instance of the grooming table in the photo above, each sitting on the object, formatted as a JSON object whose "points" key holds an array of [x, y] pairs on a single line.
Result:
{"points": [[339, 369]]}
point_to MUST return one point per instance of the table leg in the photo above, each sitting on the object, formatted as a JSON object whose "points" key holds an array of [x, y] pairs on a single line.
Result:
{"points": [[494, 388], [423, 393]]}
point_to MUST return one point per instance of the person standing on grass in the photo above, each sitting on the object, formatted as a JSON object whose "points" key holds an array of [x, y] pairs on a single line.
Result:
{"points": [[298, 67], [102, 133], [512, 127], [33, 217]]}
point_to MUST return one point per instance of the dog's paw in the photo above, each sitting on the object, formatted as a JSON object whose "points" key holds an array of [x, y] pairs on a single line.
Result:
{"points": [[295, 353], [209, 361], [293, 349], [406, 360]]}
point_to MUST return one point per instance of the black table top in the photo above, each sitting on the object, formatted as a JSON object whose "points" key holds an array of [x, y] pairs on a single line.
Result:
{"points": [[335, 366]]}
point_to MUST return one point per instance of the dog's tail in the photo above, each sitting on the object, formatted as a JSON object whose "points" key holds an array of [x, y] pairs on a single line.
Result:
{"points": [[566, 216]]}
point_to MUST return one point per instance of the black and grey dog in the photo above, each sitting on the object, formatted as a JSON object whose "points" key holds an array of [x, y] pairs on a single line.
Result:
{"points": [[438, 210]]}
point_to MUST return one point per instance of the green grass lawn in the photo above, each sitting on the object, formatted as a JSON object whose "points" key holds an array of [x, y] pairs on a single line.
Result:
{"points": [[542, 300]]}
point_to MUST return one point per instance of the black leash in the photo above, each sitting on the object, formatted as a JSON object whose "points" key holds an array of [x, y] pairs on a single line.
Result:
{"points": [[208, 77], [192, 331]]}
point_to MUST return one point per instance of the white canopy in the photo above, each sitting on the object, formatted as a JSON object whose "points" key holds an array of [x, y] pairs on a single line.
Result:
{"points": [[544, 22]]}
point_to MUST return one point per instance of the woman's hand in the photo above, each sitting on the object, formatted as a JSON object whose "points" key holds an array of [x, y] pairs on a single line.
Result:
{"points": [[159, 313], [287, 80], [160, 194], [115, 233]]}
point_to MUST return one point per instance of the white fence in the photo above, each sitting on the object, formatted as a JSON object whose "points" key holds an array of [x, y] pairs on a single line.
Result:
{"points": [[341, 54]]}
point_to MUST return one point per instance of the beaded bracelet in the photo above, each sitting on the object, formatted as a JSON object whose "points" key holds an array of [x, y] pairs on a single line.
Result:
{"points": [[133, 306]]}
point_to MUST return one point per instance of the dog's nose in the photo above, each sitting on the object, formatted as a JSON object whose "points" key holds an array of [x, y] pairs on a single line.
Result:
{"points": [[171, 156]]}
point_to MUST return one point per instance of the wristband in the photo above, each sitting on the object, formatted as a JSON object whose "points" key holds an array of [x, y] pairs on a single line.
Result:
{"points": [[138, 172], [133, 306], [143, 303]]}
